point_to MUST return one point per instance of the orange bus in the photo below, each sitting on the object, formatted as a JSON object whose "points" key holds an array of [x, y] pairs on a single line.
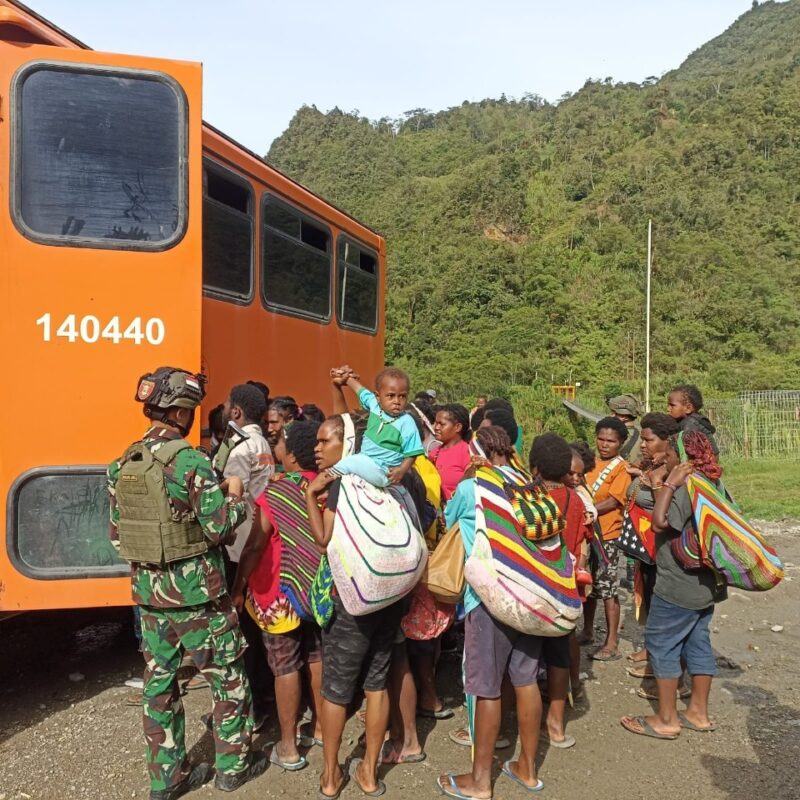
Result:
{"points": [[134, 235]]}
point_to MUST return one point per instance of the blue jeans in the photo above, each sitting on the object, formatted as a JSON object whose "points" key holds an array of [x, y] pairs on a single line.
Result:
{"points": [[364, 467], [673, 633]]}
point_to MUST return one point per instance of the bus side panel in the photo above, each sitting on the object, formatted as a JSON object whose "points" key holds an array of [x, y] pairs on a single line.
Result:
{"points": [[69, 388]]}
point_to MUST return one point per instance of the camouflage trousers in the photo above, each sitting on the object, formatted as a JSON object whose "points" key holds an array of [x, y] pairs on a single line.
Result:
{"points": [[210, 635]]}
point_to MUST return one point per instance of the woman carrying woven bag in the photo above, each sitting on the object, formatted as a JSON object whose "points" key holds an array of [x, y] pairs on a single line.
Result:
{"points": [[493, 650], [683, 602], [650, 473], [351, 647]]}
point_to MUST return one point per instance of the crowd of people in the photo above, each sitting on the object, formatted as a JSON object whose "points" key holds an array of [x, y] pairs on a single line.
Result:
{"points": [[244, 566]]}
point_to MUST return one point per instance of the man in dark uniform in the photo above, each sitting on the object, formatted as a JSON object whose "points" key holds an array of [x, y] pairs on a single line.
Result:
{"points": [[626, 408], [170, 518]]}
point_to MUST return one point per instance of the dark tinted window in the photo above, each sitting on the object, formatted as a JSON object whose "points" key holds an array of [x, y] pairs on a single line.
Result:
{"points": [[227, 236], [61, 524], [357, 278], [296, 266], [99, 158]]}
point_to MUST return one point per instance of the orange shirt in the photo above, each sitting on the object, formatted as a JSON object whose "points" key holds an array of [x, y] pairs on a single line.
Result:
{"points": [[615, 485]]}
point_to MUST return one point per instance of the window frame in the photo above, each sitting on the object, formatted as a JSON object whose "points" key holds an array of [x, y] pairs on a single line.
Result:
{"points": [[271, 197], [234, 177], [86, 242], [12, 538], [349, 326]]}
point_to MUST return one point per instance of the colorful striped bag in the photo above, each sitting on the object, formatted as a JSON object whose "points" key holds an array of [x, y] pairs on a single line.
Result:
{"points": [[720, 538], [376, 555], [300, 556], [527, 585]]}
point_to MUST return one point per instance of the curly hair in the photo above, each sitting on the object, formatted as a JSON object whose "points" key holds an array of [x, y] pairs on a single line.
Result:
{"points": [[499, 403], [700, 452], [691, 394], [612, 424], [391, 372], [551, 456], [312, 413], [662, 425], [495, 441], [501, 418], [585, 453], [459, 416], [251, 400], [301, 439], [286, 407]]}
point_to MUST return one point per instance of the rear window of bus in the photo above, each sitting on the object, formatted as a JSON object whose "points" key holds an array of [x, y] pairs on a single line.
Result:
{"points": [[99, 157]]}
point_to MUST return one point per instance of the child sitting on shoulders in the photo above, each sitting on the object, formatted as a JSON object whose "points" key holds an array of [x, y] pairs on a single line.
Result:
{"points": [[683, 405], [391, 441]]}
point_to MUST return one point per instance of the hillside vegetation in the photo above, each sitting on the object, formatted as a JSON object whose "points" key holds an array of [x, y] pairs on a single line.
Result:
{"points": [[516, 229]]}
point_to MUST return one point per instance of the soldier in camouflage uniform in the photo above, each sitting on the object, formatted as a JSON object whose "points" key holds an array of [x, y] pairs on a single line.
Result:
{"points": [[184, 602]]}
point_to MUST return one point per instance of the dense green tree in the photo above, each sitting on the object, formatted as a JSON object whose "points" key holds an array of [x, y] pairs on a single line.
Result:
{"points": [[516, 228]]}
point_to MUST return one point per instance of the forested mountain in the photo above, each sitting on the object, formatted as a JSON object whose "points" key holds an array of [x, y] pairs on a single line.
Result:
{"points": [[516, 229]]}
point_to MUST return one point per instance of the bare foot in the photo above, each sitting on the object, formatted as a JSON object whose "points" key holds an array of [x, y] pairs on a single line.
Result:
{"points": [[463, 785], [367, 783], [638, 656], [332, 785]]}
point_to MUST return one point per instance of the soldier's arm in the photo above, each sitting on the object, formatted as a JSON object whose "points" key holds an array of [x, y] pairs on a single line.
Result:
{"points": [[218, 516], [112, 474]]}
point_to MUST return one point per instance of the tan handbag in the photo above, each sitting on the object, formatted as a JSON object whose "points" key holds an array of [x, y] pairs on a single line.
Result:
{"points": [[444, 575]]}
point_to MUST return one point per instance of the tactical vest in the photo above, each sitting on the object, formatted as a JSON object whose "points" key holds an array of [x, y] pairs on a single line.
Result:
{"points": [[149, 531]]}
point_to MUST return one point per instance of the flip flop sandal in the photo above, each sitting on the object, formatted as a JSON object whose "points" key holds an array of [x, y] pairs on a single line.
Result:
{"points": [[646, 729], [389, 755], [443, 713], [641, 672], [461, 736], [289, 766], [565, 743], [690, 726], [305, 739], [455, 791], [635, 660], [652, 694], [322, 796], [611, 655], [351, 771], [506, 770]]}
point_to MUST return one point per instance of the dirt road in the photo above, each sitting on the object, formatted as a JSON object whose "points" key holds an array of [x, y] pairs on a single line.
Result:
{"points": [[65, 731]]}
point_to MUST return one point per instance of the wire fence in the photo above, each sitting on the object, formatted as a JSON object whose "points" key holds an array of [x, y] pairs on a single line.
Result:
{"points": [[758, 424]]}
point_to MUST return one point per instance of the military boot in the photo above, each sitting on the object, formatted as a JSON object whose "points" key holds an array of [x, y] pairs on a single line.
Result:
{"points": [[194, 780], [230, 783]]}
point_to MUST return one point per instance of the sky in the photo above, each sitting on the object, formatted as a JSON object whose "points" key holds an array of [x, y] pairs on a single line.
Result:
{"points": [[263, 60]]}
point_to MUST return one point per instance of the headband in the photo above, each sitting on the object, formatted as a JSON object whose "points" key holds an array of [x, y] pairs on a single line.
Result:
{"points": [[425, 421]]}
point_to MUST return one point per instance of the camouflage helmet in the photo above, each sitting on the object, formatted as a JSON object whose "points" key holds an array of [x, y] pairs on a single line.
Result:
{"points": [[625, 404], [169, 386]]}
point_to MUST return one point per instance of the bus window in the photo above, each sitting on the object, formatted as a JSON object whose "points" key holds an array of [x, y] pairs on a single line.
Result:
{"points": [[357, 280], [296, 262], [227, 235], [99, 157], [59, 524]]}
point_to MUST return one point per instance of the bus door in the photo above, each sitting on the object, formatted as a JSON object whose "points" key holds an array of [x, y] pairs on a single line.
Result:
{"points": [[100, 282]]}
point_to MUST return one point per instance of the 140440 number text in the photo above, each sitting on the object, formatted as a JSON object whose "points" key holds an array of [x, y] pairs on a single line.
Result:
{"points": [[90, 329]]}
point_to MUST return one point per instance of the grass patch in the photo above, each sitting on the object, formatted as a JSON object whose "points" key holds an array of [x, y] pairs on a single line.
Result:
{"points": [[764, 488]]}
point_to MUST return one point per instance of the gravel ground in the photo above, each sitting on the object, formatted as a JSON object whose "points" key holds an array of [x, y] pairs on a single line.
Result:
{"points": [[67, 733]]}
